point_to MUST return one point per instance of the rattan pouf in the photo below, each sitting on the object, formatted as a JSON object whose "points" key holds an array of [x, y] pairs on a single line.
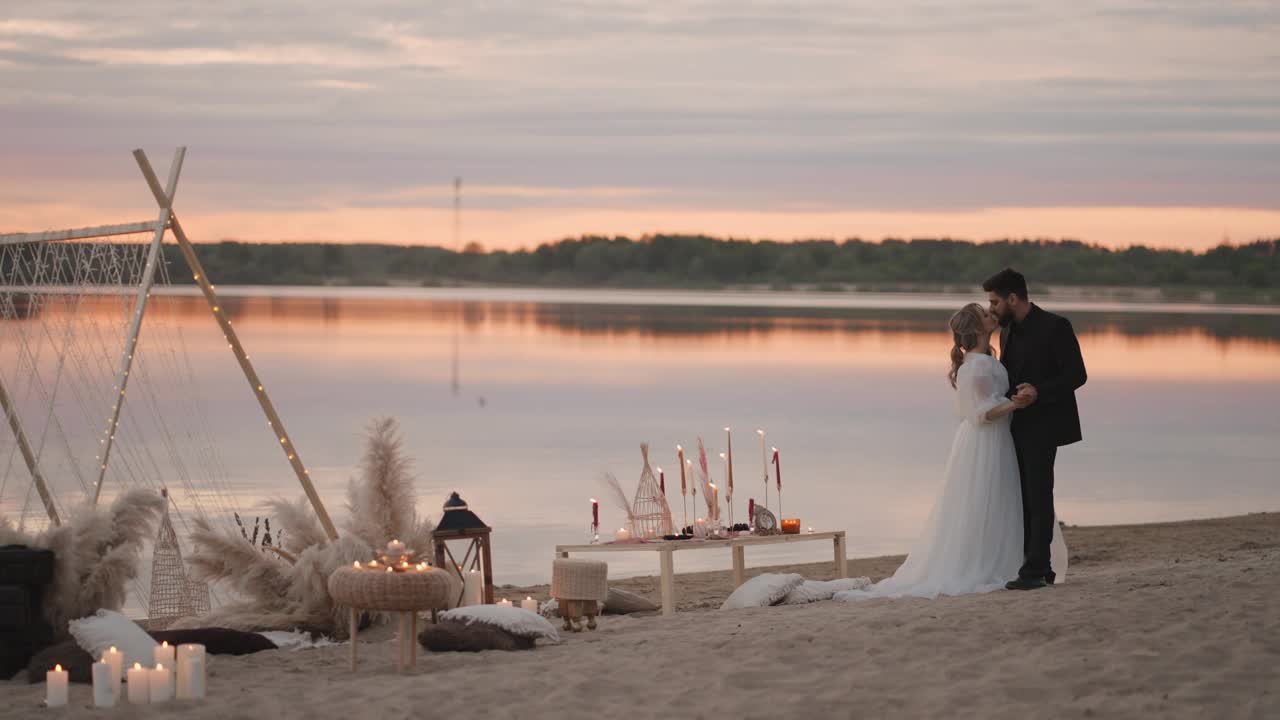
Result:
{"points": [[579, 586], [406, 593]]}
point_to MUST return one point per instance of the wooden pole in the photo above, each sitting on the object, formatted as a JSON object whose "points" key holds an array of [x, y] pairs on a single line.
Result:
{"points": [[33, 464], [487, 558], [233, 341], [135, 325], [77, 233]]}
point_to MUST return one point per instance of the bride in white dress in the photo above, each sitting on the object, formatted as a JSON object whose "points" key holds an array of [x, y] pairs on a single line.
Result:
{"points": [[972, 541]]}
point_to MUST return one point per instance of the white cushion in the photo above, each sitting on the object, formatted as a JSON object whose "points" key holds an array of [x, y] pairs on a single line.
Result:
{"points": [[517, 621], [98, 632], [621, 602], [816, 590], [762, 590]]}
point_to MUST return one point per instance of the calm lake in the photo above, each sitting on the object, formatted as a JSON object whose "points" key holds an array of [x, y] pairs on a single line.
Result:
{"points": [[520, 399]]}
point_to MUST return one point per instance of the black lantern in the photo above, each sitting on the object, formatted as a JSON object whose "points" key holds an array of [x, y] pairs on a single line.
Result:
{"points": [[460, 524]]}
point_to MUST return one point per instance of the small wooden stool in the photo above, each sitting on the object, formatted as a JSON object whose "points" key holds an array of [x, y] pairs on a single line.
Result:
{"points": [[579, 586], [407, 593]]}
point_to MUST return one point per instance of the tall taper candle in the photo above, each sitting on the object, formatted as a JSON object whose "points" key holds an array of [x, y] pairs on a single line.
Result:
{"points": [[684, 489], [764, 466], [728, 496], [662, 482], [777, 468], [724, 467]]}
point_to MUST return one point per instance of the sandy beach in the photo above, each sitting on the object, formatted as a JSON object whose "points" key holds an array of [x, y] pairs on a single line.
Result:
{"points": [[1163, 620]]}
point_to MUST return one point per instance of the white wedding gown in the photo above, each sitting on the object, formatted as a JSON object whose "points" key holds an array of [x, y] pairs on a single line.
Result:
{"points": [[972, 541]]}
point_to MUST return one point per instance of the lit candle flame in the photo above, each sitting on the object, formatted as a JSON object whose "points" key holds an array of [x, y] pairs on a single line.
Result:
{"points": [[57, 668], [356, 564]]}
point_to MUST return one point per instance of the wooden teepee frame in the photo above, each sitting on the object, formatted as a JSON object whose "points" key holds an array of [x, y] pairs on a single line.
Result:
{"points": [[166, 221], [650, 513]]}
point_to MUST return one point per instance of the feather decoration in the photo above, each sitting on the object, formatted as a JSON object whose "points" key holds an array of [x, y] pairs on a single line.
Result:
{"points": [[223, 556], [382, 503], [95, 555], [300, 520], [619, 495], [704, 480]]}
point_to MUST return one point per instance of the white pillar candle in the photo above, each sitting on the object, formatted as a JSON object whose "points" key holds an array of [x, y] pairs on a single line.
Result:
{"points": [[505, 602], [55, 687], [473, 592], [622, 534], [139, 680], [115, 660], [104, 691], [395, 549], [529, 604], [161, 684], [190, 676], [164, 655]]}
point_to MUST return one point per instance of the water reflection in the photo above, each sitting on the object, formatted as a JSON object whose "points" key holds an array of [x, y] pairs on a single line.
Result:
{"points": [[522, 403]]}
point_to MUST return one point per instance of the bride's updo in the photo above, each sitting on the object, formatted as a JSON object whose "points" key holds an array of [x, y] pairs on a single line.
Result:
{"points": [[966, 327]]}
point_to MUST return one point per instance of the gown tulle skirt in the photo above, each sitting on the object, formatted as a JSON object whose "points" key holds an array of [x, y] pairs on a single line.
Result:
{"points": [[972, 541]]}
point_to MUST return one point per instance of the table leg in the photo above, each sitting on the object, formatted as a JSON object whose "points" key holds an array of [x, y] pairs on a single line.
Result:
{"points": [[404, 641], [668, 584], [564, 554], [842, 557], [413, 640], [355, 624], [739, 565]]}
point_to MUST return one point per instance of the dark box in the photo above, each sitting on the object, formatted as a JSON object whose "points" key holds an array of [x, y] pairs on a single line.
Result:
{"points": [[21, 565]]}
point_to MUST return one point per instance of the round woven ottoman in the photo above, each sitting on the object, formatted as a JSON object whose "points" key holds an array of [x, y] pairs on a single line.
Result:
{"points": [[579, 586], [406, 593]]}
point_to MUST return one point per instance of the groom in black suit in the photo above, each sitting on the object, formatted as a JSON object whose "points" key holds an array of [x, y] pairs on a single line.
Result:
{"points": [[1042, 355]]}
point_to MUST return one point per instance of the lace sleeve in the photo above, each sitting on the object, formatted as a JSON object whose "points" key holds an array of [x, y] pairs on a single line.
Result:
{"points": [[975, 392]]}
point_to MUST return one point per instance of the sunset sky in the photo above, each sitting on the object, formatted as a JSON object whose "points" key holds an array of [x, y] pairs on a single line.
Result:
{"points": [[1113, 121]]}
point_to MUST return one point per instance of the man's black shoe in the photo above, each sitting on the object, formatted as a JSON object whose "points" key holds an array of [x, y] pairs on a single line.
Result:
{"points": [[1024, 584]]}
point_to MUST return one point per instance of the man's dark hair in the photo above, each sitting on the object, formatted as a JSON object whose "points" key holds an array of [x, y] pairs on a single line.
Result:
{"points": [[1007, 282]]}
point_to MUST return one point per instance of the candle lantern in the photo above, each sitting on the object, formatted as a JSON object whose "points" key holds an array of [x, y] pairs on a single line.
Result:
{"points": [[460, 524]]}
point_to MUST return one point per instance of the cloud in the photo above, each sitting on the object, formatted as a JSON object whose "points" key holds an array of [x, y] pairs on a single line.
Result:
{"points": [[342, 84], [711, 106], [55, 29]]}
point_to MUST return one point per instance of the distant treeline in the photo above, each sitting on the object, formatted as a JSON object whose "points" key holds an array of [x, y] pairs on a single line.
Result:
{"points": [[684, 261]]}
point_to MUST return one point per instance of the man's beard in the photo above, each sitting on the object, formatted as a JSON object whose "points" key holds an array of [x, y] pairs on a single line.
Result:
{"points": [[1005, 318]]}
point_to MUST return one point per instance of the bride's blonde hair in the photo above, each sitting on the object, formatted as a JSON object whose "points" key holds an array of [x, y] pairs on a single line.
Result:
{"points": [[966, 328]]}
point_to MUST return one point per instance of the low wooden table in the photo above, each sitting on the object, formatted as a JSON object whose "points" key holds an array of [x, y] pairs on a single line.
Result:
{"points": [[737, 547]]}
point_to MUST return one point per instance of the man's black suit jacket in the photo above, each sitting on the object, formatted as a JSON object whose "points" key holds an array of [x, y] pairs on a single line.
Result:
{"points": [[1042, 350]]}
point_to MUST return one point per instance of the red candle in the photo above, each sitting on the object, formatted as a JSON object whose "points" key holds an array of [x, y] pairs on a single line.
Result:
{"points": [[595, 508], [751, 510], [662, 482], [777, 468]]}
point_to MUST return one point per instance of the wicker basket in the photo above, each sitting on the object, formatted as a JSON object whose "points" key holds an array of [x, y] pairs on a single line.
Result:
{"points": [[378, 590], [579, 579]]}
